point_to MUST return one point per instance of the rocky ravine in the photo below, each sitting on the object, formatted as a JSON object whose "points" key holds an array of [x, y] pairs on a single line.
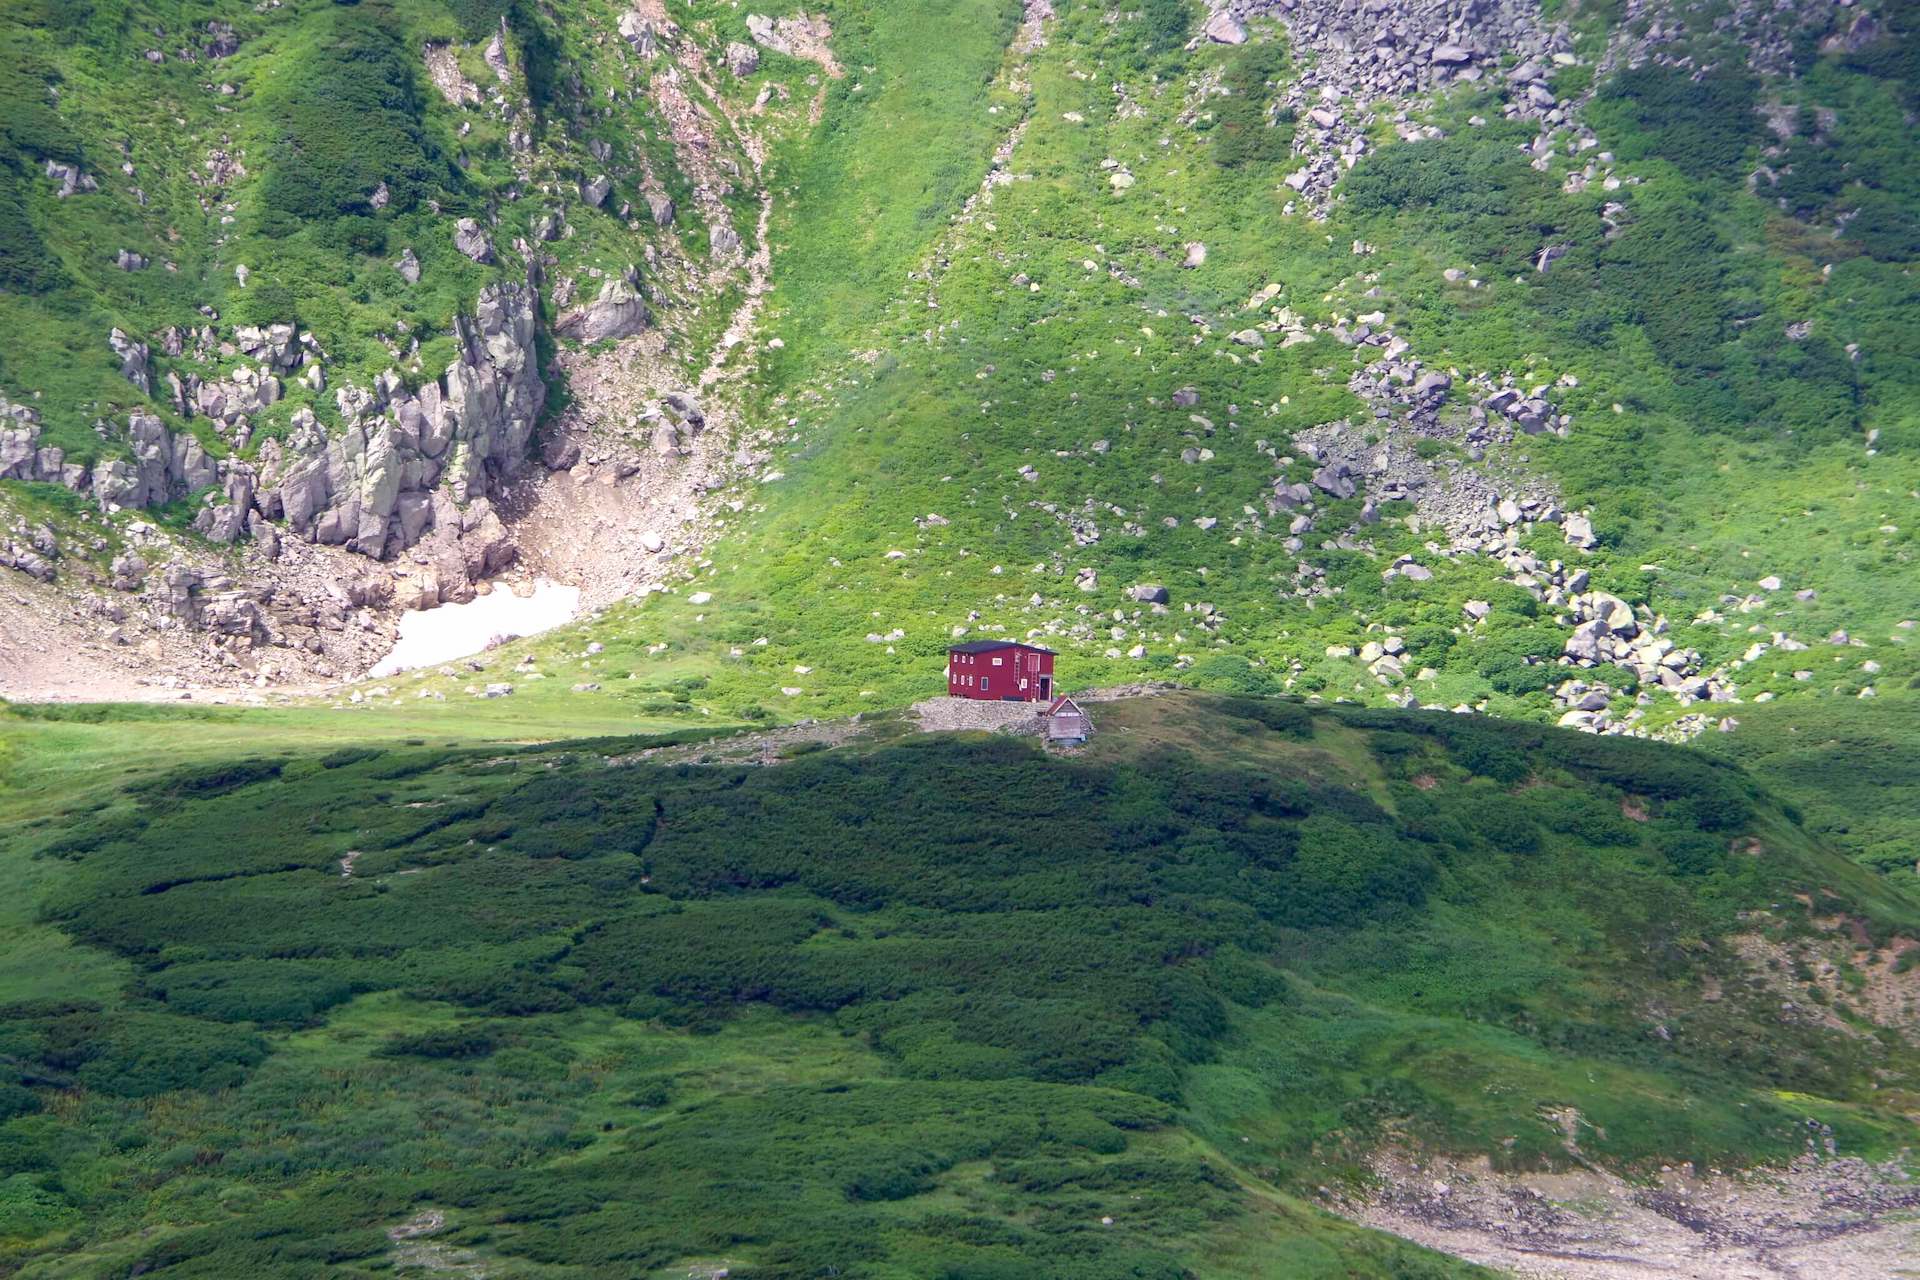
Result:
{"points": [[412, 472], [426, 491]]}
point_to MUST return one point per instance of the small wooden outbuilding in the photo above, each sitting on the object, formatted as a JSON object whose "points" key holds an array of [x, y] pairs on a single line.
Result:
{"points": [[1067, 723]]}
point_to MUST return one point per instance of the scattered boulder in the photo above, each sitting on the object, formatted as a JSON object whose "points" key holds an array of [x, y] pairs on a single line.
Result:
{"points": [[470, 240], [134, 358], [72, 181]]}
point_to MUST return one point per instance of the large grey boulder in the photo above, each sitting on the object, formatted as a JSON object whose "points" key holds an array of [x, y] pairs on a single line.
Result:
{"points": [[638, 33], [1224, 28], [742, 59], [766, 33], [1334, 478], [72, 181], [470, 240], [134, 357], [618, 312], [1588, 641], [274, 344]]}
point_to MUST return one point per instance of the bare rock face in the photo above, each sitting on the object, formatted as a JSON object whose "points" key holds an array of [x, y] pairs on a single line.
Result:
{"points": [[618, 312], [226, 521], [376, 487], [163, 467]]}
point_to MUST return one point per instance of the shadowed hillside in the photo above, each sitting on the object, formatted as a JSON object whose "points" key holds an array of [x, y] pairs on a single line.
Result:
{"points": [[922, 1005]]}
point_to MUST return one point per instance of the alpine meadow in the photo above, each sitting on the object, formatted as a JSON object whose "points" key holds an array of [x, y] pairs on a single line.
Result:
{"points": [[959, 639]]}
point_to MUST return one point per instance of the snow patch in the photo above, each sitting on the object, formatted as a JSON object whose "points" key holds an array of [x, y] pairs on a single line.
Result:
{"points": [[454, 631]]}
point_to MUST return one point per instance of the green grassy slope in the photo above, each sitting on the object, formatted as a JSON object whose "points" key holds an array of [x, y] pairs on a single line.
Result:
{"points": [[906, 1007], [1051, 330]]}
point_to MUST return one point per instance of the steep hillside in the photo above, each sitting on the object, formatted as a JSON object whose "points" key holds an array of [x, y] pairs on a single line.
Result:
{"points": [[1557, 352], [1535, 360], [942, 1005]]}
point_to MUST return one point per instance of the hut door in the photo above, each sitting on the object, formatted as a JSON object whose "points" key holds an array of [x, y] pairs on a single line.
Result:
{"points": [[1046, 688]]}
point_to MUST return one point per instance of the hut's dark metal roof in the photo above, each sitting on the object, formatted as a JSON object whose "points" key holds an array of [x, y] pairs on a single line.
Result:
{"points": [[987, 646]]}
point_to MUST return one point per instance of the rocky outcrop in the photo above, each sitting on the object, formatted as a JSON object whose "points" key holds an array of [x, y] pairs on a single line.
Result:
{"points": [[161, 467], [71, 179], [675, 423], [407, 463], [371, 488]]}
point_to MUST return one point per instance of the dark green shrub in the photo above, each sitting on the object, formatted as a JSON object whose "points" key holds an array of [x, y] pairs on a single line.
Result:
{"points": [[1504, 825], [1243, 132], [15, 1100], [1282, 715], [1703, 125], [1693, 853], [275, 993], [450, 1042], [348, 120], [1230, 673], [1344, 872], [891, 1180]]}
